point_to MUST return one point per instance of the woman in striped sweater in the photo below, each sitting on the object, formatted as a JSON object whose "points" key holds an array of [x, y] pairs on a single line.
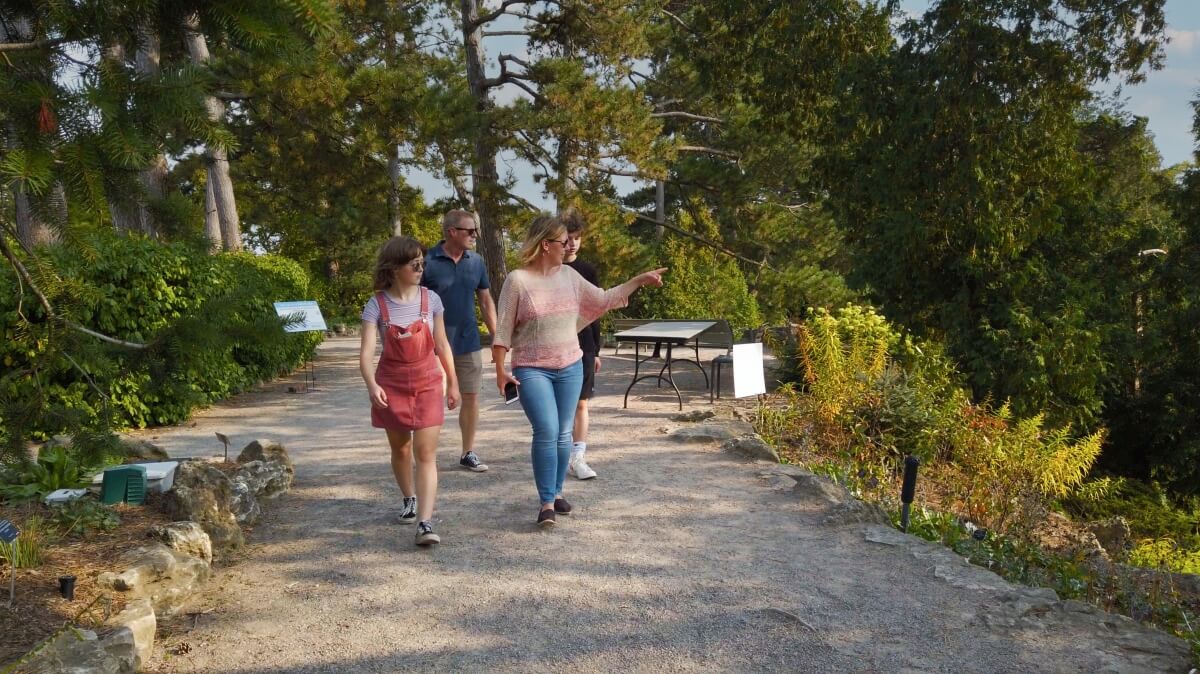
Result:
{"points": [[543, 305]]}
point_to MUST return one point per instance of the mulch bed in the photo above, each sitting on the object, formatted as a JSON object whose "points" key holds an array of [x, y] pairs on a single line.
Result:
{"points": [[39, 610]]}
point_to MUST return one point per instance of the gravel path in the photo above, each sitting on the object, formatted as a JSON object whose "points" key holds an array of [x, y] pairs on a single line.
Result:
{"points": [[680, 558]]}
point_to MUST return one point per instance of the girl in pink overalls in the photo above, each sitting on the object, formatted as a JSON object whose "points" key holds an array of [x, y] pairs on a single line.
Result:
{"points": [[406, 388]]}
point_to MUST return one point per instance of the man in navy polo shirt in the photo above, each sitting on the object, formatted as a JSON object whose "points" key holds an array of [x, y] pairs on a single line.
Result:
{"points": [[457, 274]]}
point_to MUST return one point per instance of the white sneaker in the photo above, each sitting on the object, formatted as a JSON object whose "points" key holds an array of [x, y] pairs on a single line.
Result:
{"points": [[579, 468]]}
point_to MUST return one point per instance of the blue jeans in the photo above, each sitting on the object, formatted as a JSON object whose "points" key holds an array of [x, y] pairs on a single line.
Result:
{"points": [[549, 398]]}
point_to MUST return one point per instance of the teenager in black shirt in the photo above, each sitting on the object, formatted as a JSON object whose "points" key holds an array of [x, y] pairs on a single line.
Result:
{"points": [[589, 341]]}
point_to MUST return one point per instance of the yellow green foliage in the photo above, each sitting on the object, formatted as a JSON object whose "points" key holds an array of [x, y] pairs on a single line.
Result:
{"points": [[1164, 553], [1007, 471]]}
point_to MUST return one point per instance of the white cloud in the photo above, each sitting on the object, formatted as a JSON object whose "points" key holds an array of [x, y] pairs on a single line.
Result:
{"points": [[1182, 41]]}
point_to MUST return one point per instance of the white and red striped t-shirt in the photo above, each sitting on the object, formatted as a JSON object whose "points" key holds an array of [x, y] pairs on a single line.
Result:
{"points": [[399, 314], [541, 316]]}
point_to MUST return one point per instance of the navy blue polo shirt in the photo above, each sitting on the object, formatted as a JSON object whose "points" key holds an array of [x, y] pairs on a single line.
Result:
{"points": [[456, 283]]}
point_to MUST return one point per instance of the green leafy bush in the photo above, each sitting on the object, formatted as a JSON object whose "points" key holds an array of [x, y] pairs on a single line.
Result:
{"points": [[56, 468], [83, 515], [701, 283], [207, 321]]}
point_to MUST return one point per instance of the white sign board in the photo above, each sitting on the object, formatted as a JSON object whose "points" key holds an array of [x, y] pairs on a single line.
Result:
{"points": [[748, 377], [308, 310]]}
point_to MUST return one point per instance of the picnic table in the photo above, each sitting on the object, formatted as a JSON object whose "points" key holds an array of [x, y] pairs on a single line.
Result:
{"points": [[660, 333]]}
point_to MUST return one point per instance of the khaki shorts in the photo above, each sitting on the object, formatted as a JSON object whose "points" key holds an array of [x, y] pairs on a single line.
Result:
{"points": [[469, 369]]}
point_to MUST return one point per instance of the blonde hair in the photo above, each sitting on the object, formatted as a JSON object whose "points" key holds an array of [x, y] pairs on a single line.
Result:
{"points": [[544, 227]]}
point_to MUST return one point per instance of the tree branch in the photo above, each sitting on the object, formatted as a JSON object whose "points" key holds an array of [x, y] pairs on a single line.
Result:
{"points": [[24, 273], [498, 33], [492, 16], [687, 115], [711, 244], [707, 150], [522, 201], [29, 46], [510, 79]]}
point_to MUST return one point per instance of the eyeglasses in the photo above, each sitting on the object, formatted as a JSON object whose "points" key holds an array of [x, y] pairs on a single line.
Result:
{"points": [[471, 231], [416, 265], [562, 243]]}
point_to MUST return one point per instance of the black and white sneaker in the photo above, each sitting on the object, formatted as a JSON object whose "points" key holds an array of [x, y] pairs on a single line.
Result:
{"points": [[408, 513], [471, 462], [545, 518], [425, 535]]}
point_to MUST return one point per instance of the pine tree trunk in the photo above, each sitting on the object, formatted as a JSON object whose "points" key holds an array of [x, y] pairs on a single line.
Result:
{"points": [[154, 176], [212, 222], [394, 193], [32, 229], [218, 157], [485, 180], [125, 209]]}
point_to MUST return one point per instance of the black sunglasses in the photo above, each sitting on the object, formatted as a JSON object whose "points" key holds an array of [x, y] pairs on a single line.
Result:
{"points": [[471, 231]]}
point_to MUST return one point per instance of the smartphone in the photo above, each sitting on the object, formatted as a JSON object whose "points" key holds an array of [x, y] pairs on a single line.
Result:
{"points": [[510, 393]]}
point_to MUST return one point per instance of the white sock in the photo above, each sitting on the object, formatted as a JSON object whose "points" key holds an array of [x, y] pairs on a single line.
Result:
{"points": [[579, 448]]}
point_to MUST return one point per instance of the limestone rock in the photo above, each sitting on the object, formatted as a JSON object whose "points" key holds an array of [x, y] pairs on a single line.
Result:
{"points": [[244, 504], [840, 506], [1059, 534], [265, 479], [186, 538], [1112, 534], [753, 447], [136, 625], [142, 450], [203, 494], [157, 573], [78, 651], [694, 415], [714, 432], [266, 450]]}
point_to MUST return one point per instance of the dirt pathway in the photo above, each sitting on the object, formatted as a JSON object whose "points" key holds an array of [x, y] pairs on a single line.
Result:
{"points": [[681, 558]]}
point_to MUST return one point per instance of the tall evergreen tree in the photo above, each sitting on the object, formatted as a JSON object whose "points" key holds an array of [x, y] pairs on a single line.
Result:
{"points": [[963, 157]]}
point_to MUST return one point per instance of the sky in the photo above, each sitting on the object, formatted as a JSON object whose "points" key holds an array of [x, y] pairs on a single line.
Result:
{"points": [[1164, 98]]}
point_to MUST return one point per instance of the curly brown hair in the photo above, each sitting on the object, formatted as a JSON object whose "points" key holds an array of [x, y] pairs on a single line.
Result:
{"points": [[397, 252]]}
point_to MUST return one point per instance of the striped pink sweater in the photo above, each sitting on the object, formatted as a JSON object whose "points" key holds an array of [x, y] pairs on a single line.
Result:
{"points": [[540, 316]]}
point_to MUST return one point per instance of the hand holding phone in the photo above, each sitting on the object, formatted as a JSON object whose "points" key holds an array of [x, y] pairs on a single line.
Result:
{"points": [[510, 393]]}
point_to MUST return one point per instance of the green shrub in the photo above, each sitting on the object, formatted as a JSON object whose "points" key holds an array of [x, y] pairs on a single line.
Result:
{"points": [[83, 515], [56, 468], [701, 283], [207, 320]]}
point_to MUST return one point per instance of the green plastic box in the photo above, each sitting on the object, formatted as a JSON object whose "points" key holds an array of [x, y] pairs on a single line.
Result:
{"points": [[124, 484]]}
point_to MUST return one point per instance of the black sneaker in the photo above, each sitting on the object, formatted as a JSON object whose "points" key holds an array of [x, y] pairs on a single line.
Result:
{"points": [[425, 535], [472, 463], [408, 513], [546, 518], [561, 506]]}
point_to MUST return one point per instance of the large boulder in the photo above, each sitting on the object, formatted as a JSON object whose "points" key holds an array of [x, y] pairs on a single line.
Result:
{"points": [[1058, 534], [245, 505], [203, 494], [136, 626], [265, 479], [186, 538], [751, 447], [266, 450], [80, 651], [141, 450], [1112, 534], [712, 432], [165, 577]]}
